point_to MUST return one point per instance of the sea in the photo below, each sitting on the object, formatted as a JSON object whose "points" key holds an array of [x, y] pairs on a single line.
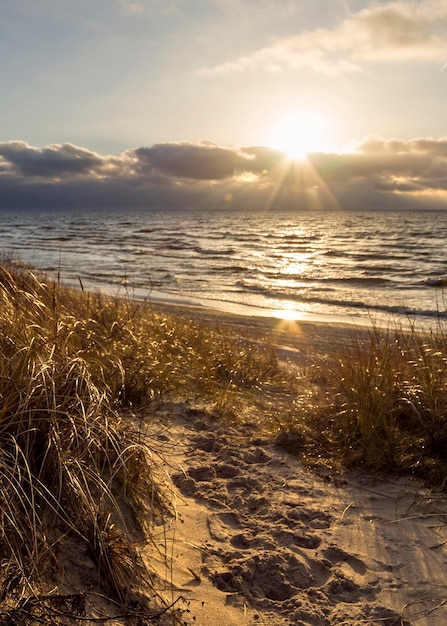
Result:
{"points": [[325, 266]]}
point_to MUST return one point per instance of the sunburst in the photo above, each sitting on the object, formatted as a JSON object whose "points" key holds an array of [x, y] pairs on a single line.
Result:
{"points": [[299, 133]]}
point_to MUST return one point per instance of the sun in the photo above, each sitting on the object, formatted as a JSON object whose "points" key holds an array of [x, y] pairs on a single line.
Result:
{"points": [[299, 133]]}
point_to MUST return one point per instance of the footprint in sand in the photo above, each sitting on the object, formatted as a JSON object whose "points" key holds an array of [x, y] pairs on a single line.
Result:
{"points": [[265, 575], [202, 474], [336, 555], [241, 541], [221, 525], [256, 456]]}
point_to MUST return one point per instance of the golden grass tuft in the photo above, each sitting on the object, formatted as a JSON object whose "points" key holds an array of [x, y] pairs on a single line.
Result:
{"points": [[392, 402], [69, 464], [379, 403]]}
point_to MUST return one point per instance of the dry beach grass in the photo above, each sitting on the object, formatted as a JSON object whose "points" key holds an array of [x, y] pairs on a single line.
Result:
{"points": [[87, 381]]}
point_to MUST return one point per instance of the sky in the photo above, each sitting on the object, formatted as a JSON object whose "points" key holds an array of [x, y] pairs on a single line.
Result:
{"points": [[209, 104]]}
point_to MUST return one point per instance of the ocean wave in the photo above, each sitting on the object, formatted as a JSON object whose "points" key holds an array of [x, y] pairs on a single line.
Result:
{"points": [[214, 252], [306, 297], [170, 245], [60, 238], [228, 269], [316, 281], [361, 281], [294, 237]]}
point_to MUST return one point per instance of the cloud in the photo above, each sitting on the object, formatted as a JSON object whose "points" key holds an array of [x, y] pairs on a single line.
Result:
{"points": [[379, 174], [393, 32], [388, 173], [52, 161], [206, 161]]}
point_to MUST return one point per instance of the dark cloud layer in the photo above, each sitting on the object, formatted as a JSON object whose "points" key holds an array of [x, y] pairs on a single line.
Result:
{"points": [[52, 161], [379, 174], [205, 161]]}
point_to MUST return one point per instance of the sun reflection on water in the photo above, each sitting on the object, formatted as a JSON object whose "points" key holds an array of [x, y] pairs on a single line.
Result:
{"points": [[288, 315]]}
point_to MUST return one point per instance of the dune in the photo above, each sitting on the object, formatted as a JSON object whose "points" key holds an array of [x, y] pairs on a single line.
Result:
{"points": [[150, 412]]}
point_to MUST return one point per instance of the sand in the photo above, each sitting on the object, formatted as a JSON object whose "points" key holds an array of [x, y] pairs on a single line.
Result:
{"points": [[260, 539]]}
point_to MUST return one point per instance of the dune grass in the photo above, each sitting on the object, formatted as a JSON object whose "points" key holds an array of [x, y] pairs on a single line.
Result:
{"points": [[379, 403], [71, 466], [390, 412]]}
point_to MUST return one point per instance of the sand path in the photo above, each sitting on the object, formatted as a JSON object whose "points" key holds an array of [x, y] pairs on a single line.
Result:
{"points": [[261, 540]]}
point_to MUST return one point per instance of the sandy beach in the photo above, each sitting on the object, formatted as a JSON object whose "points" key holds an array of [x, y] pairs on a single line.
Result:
{"points": [[260, 539]]}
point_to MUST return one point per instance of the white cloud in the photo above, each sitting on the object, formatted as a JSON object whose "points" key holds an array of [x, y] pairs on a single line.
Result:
{"points": [[396, 31]]}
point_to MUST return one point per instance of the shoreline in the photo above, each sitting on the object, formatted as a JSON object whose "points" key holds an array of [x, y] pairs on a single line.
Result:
{"points": [[224, 307], [250, 534], [205, 308], [302, 342]]}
